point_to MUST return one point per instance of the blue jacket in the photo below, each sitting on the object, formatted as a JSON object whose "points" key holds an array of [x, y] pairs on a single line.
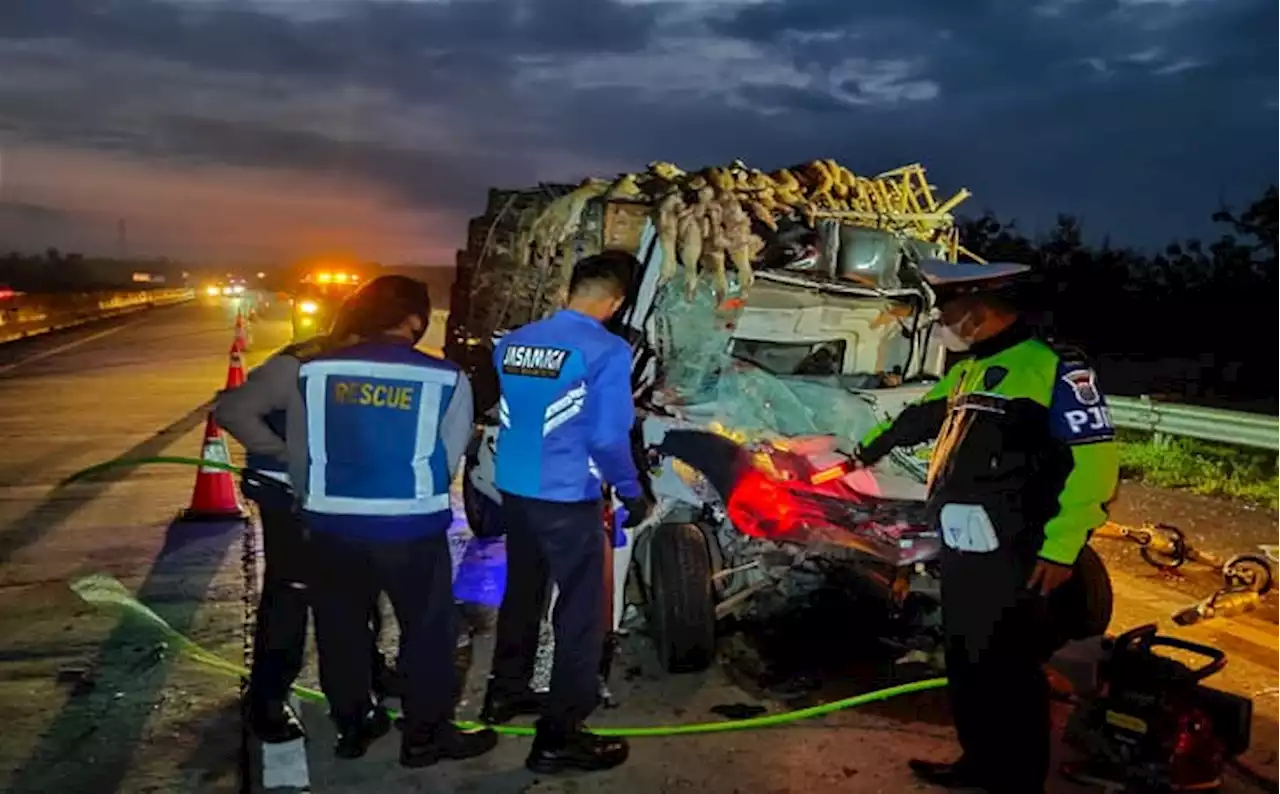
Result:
{"points": [[566, 410], [386, 426]]}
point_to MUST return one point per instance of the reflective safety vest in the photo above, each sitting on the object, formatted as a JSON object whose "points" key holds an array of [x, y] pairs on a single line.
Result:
{"points": [[376, 466]]}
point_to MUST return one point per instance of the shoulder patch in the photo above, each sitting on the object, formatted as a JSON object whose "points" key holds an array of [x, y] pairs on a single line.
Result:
{"points": [[534, 361], [1084, 385], [993, 377]]}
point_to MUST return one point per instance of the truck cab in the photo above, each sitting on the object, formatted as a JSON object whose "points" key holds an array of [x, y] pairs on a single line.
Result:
{"points": [[866, 340], [316, 300]]}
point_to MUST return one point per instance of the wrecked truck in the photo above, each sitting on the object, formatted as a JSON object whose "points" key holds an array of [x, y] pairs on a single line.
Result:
{"points": [[753, 384]]}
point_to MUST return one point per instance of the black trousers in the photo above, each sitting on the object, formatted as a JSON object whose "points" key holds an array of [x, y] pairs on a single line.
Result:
{"points": [[997, 645], [417, 576], [280, 636], [560, 542]]}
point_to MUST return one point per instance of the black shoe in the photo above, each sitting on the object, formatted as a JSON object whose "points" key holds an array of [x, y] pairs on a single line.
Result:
{"points": [[957, 775], [499, 708], [275, 722], [557, 751], [445, 744], [354, 738]]}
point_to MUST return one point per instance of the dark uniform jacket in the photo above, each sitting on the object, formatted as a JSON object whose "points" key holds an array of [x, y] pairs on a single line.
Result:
{"points": [[1022, 430], [1024, 465]]}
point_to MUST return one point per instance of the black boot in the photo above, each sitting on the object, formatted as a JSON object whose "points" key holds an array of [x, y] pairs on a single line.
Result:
{"points": [[275, 722], [501, 708], [961, 774], [447, 743], [557, 749], [355, 736]]}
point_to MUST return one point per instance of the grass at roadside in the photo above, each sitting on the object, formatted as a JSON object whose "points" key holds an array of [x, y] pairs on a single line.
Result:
{"points": [[1200, 467]]}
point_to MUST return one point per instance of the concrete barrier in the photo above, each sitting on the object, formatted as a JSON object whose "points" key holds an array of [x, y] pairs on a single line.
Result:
{"points": [[30, 314]]}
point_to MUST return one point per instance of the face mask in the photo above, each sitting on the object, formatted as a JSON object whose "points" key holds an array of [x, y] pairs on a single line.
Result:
{"points": [[951, 338]]}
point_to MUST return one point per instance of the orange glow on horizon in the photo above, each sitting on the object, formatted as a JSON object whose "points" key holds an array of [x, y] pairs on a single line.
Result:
{"points": [[215, 211]]}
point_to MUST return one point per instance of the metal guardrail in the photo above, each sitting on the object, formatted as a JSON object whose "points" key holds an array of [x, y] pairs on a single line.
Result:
{"points": [[26, 315], [1257, 431]]}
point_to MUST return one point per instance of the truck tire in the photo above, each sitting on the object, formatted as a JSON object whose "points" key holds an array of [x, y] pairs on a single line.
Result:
{"points": [[1098, 597], [483, 516], [682, 615], [1081, 608]]}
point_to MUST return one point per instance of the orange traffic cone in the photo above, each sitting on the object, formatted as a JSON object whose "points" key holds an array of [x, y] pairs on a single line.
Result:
{"points": [[235, 370], [214, 497], [242, 332]]}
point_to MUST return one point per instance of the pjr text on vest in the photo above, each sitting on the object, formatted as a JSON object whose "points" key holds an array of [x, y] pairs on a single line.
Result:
{"points": [[379, 395], [1089, 420]]}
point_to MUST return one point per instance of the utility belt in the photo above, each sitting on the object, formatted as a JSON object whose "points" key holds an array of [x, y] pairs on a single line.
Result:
{"points": [[272, 490]]}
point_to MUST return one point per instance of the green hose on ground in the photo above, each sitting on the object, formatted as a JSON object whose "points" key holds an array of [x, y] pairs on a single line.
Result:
{"points": [[178, 460], [103, 590]]}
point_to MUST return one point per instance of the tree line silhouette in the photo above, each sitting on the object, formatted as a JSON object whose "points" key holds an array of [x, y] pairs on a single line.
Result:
{"points": [[56, 271], [1193, 301]]}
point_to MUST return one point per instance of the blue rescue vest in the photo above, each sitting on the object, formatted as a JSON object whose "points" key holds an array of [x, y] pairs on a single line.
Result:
{"points": [[376, 466]]}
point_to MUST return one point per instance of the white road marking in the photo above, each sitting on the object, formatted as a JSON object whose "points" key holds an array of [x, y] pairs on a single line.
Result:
{"points": [[285, 765], [64, 348]]}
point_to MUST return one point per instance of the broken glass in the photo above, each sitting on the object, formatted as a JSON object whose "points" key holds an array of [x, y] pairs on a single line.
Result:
{"points": [[710, 382]]}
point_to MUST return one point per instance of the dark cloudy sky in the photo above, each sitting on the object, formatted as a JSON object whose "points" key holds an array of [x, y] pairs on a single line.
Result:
{"points": [[281, 128]]}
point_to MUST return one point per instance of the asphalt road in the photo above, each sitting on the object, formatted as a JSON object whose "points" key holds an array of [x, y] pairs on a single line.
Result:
{"points": [[90, 702]]}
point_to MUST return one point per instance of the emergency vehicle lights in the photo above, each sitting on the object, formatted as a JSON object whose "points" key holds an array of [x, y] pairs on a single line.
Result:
{"points": [[335, 278], [308, 307], [211, 291]]}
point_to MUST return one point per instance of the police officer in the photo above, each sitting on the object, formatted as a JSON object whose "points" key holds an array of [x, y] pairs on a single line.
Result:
{"points": [[566, 414], [1024, 464], [376, 430], [279, 641]]}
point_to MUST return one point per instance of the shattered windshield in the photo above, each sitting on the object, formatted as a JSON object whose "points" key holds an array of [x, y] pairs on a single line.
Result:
{"points": [[765, 389], [792, 358], [758, 387]]}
